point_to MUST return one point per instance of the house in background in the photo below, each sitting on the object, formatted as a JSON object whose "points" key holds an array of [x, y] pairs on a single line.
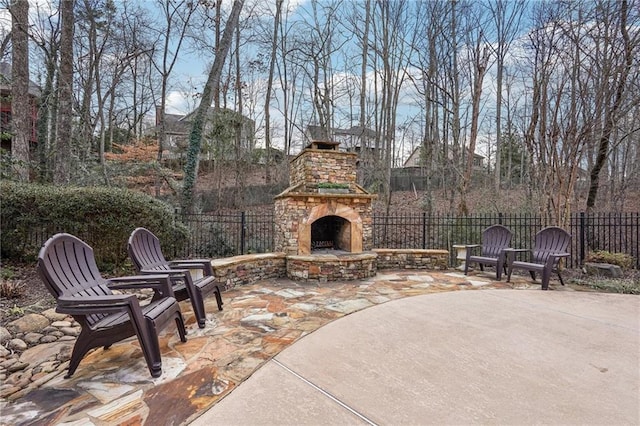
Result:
{"points": [[219, 134], [416, 159], [5, 107]]}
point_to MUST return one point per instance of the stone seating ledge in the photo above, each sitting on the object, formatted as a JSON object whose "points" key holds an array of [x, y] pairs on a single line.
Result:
{"points": [[249, 268], [432, 259]]}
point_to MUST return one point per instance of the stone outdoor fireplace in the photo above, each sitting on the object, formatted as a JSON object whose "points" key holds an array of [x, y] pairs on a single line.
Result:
{"points": [[324, 218]]}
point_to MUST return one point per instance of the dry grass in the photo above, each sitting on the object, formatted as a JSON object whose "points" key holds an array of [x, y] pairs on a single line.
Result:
{"points": [[11, 289]]}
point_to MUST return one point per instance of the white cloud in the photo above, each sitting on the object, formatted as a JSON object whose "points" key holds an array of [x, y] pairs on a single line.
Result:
{"points": [[178, 103]]}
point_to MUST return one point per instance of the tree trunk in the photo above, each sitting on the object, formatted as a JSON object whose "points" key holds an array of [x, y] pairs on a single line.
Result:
{"points": [[195, 137], [363, 77], [480, 68], [20, 109], [611, 117], [62, 169], [267, 101], [171, 13]]}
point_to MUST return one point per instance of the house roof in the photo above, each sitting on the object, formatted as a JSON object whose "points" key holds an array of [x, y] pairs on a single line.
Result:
{"points": [[5, 80], [178, 124]]}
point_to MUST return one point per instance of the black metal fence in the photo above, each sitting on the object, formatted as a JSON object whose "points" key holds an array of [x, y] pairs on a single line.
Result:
{"points": [[219, 235], [228, 234]]}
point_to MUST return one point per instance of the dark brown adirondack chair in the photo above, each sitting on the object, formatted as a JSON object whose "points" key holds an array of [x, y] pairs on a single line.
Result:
{"points": [[67, 266], [146, 255], [551, 244], [495, 239]]}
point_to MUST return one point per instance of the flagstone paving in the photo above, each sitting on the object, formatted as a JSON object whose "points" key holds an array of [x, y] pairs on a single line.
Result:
{"points": [[113, 386]]}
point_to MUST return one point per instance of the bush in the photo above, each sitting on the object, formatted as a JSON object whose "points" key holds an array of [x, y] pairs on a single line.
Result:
{"points": [[102, 217], [623, 260]]}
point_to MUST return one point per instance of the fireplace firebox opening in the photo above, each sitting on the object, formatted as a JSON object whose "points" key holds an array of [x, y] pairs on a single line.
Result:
{"points": [[331, 232]]}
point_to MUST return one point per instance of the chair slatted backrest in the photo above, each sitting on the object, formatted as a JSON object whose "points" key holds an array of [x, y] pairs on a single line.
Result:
{"points": [[145, 252], [67, 267], [550, 240], [495, 239]]}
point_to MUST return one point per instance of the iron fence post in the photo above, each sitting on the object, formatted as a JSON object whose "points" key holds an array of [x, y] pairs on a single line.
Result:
{"points": [[243, 232], [424, 230], [500, 218], [582, 238]]}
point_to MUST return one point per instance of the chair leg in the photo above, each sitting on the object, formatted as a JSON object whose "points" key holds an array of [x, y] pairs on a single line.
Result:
{"points": [[219, 297], [182, 331], [546, 274], [151, 348], [80, 349], [533, 275], [560, 277], [499, 268], [197, 303]]}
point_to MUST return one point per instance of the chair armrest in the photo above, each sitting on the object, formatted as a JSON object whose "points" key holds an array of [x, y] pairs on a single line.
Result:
{"points": [[85, 305], [159, 283], [170, 272], [510, 253], [553, 258], [202, 264]]}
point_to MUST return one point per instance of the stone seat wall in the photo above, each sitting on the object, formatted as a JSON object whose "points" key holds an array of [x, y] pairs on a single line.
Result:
{"points": [[249, 268], [412, 259]]}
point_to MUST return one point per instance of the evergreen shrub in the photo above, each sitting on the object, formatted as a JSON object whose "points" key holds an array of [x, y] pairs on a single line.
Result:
{"points": [[102, 217]]}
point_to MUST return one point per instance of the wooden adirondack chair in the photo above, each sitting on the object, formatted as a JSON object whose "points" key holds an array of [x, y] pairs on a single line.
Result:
{"points": [[551, 244], [67, 266], [146, 255], [495, 239]]}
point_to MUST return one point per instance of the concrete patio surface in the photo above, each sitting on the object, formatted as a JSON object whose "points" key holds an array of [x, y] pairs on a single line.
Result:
{"points": [[484, 357], [404, 347]]}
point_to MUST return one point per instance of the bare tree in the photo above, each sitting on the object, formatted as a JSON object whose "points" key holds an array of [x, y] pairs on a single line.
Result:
{"points": [[615, 104], [64, 134], [20, 111], [290, 73], [479, 62], [392, 38], [177, 17], [267, 101], [45, 34], [430, 57], [318, 42], [506, 17], [195, 136]]}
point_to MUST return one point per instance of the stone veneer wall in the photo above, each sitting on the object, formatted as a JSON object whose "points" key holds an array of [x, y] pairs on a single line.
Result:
{"points": [[296, 212], [328, 267], [234, 271], [412, 259], [313, 166], [247, 269]]}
